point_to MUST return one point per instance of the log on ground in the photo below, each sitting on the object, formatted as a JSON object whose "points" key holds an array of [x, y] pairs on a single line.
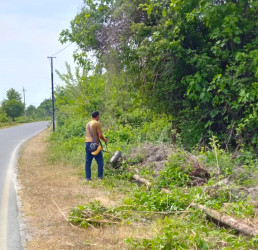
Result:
{"points": [[141, 180], [229, 221]]}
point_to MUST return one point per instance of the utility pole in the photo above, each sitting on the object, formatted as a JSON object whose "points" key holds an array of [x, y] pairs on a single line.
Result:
{"points": [[24, 101], [53, 97]]}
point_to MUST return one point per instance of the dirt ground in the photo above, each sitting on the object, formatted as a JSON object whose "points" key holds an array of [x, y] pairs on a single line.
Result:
{"points": [[48, 191]]}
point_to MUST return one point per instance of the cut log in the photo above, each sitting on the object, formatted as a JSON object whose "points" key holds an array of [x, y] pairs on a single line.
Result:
{"points": [[136, 170], [229, 221], [141, 180], [164, 190]]}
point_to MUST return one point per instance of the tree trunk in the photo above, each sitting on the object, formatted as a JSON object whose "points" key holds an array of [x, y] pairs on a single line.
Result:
{"points": [[229, 221]]}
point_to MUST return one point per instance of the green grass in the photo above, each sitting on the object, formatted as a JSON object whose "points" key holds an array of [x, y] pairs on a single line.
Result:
{"points": [[183, 230], [192, 231]]}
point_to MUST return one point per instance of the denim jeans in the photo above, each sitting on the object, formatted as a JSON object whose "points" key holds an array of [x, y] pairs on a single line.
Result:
{"points": [[89, 157]]}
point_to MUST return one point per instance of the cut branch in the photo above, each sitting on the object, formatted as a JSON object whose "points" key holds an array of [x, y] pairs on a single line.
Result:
{"points": [[61, 212], [229, 221], [141, 180], [164, 190]]}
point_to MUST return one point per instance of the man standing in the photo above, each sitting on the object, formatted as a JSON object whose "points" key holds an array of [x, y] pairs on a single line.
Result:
{"points": [[93, 135]]}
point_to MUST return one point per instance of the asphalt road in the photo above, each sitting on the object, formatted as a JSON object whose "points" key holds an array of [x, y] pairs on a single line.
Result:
{"points": [[11, 140]]}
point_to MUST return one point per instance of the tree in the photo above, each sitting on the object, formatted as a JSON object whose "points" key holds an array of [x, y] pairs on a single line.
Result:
{"points": [[195, 60], [3, 117], [13, 106], [31, 111], [12, 94], [45, 108]]}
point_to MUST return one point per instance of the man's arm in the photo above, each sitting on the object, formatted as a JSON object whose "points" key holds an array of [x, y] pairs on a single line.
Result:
{"points": [[102, 137], [100, 134]]}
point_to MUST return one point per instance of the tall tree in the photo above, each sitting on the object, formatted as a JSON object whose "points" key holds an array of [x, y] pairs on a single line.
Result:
{"points": [[13, 106], [12, 94], [196, 60]]}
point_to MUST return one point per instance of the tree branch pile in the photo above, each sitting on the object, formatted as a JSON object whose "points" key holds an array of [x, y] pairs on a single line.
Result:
{"points": [[94, 214]]}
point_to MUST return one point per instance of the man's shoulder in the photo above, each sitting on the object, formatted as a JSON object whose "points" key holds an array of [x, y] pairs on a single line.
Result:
{"points": [[94, 123]]}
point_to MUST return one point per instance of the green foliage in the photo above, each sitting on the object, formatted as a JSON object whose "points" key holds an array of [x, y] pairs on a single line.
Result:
{"points": [[181, 71], [13, 106], [247, 174], [3, 117], [95, 214], [196, 60], [176, 171], [241, 209], [23, 119], [192, 232], [44, 110], [155, 200], [95, 209], [72, 127], [12, 94], [31, 111], [125, 121], [217, 157]]}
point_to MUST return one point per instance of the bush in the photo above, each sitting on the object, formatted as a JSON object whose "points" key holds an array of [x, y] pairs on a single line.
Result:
{"points": [[4, 118], [175, 172]]}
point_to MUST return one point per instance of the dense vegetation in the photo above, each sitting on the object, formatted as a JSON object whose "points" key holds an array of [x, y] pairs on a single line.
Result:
{"points": [[176, 72], [193, 60], [12, 109]]}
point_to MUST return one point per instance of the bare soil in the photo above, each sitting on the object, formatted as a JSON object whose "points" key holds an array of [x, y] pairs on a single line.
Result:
{"points": [[48, 191]]}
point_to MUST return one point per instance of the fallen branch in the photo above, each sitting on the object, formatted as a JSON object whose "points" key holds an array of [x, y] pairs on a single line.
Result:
{"points": [[224, 182], [64, 215], [98, 221], [158, 212], [229, 221], [164, 190], [141, 180]]}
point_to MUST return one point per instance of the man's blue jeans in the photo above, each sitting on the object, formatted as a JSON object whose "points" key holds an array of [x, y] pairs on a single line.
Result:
{"points": [[89, 157]]}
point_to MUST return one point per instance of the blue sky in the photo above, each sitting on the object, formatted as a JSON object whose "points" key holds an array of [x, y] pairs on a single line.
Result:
{"points": [[29, 32]]}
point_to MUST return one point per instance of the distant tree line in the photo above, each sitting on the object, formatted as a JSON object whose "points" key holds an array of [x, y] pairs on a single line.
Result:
{"points": [[12, 107]]}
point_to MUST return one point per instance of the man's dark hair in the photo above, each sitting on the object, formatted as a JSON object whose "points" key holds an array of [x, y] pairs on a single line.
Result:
{"points": [[95, 114]]}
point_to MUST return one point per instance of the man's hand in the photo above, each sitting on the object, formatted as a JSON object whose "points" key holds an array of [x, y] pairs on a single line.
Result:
{"points": [[105, 139]]}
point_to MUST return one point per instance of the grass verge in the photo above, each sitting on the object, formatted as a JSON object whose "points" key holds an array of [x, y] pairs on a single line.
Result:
{"points": [[51, 190], [48, 192]]}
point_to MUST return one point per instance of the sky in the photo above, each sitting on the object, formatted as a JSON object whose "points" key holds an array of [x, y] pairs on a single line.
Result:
{"points": [[29, 33]]}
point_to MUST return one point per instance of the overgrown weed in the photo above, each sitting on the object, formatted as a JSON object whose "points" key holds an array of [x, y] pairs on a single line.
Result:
{"points": [[192, 230]]}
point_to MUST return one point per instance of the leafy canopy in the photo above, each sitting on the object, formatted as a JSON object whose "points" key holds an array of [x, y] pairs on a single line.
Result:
{"points": [[13, 106], [194, 60]]}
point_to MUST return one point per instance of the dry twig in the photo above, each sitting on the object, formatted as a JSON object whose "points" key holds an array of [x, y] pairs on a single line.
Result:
{"points": [[63, 214]]}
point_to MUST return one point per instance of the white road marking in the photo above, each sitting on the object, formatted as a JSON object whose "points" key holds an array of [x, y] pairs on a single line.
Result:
{"points": [[5, 199]]}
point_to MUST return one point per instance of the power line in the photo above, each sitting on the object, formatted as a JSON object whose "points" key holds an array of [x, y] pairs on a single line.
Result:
{"points": [[62, 49]]}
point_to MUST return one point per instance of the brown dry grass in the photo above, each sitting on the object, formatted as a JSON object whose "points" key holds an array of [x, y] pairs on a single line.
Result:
{"points": [[42, 183]]}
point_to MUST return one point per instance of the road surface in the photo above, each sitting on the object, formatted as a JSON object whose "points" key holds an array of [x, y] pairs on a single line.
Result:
{"points": [[11, 140]]}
